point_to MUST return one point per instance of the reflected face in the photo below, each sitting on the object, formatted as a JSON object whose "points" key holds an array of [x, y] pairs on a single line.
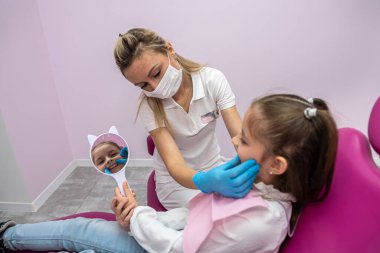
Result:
{"points": [[147, 70], [105, 156]]}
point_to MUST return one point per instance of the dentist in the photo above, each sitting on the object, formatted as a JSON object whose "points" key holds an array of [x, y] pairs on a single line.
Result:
{"points": [[179, 104]]}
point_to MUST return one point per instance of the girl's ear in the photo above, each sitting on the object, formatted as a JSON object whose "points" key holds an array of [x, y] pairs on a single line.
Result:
{"points": [[279, 165]]}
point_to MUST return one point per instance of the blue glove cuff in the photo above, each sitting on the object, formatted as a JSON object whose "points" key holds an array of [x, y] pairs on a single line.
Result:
{"points": [[197, 180]]}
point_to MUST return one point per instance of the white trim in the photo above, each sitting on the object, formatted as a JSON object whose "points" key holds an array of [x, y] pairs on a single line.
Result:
{"points": [[140, 163], [52, 187], [43, 196], [49, 190], [46, 193]]}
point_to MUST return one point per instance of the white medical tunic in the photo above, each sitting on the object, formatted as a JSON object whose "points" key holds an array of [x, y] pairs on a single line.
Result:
{"points": [[257, 229], [193, 132]]}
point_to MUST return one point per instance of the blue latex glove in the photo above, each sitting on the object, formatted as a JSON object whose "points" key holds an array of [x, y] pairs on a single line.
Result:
{"points": [[124, 154], [232, 179]]}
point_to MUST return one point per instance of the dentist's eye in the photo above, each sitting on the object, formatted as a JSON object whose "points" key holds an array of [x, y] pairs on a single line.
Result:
{"points": [[157, 74], [144, 86], [242, 141]]}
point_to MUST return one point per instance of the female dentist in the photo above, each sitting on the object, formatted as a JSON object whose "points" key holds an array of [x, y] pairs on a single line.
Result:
{"points": [[179, 104]]}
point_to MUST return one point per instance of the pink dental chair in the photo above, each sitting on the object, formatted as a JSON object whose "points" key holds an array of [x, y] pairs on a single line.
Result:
{"points": [[348, 220], [151, 196]]}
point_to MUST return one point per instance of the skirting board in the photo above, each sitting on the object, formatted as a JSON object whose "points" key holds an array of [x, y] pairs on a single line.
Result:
{"points": [[40, 200], [45, 194]]}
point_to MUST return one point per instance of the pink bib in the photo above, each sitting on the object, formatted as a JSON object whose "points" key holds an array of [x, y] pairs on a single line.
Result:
{"points": [[206, 209]]}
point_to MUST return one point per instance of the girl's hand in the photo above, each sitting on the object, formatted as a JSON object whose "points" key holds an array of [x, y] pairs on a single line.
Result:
{"points": [[123, 206]]}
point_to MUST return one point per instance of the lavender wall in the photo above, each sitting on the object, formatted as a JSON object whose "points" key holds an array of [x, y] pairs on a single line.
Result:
{"points": [[327, 48], [35, 147]]}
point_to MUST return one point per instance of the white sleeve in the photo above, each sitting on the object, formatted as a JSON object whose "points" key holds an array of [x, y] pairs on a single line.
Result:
{"points": [[146, 116], [221, 90], [159, 232]]}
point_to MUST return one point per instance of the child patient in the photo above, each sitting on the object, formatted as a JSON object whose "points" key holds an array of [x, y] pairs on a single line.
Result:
{"points": [[108, 157], [294, 140]]}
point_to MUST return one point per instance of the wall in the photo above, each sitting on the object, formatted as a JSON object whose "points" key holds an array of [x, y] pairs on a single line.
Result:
{"points": [[10, 171], [34, 145], [328, 49], [68, 85]]}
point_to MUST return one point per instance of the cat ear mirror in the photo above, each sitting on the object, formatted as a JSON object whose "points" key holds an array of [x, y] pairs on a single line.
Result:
{"points": [[109, 153]]}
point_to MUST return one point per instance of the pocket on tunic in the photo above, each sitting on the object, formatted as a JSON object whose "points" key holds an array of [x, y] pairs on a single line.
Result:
{"points": [[210, 116]]}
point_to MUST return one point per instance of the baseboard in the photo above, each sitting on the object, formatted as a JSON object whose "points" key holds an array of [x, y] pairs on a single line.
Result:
{"points": [[43, 196], [48, 191]]}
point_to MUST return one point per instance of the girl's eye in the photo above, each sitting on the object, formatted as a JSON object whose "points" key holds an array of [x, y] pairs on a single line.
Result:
{"points": [[114, 154], [100, 162]]}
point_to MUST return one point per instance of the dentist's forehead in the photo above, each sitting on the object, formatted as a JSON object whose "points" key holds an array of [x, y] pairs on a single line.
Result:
{"points": [[142, 65]]}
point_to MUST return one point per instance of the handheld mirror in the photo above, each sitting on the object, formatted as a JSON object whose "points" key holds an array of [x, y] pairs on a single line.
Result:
{"points": [[109, 154]]}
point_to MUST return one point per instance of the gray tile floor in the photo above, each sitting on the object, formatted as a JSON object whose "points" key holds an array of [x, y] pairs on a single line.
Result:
{"points": [[83, 190]]}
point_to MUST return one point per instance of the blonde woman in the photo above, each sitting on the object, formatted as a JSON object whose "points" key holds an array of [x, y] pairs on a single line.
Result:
{"points": [[180, 103]]}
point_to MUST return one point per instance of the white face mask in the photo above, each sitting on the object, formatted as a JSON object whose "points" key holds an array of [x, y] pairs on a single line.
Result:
{"points": [[169, 84]]}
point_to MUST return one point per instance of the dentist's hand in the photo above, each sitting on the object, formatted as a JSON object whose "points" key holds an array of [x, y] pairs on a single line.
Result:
{"points": [[124, 155], [231, 179]]}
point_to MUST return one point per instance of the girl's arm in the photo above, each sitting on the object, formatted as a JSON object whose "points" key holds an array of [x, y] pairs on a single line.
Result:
{"points": [[123, 206]]}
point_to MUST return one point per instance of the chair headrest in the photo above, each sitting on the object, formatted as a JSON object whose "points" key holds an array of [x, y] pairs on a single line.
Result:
{"points": [[374, 126]]}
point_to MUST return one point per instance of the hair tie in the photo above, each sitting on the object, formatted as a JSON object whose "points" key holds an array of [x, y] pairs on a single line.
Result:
{"points": [[310, 112], [310, 100], [120, 35]]}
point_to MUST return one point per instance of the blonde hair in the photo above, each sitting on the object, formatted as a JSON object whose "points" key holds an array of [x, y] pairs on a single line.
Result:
{"points": [[131, 45]]}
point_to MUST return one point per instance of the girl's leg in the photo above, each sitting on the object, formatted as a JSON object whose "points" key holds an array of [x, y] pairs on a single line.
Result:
{"points": [[76, 235]]}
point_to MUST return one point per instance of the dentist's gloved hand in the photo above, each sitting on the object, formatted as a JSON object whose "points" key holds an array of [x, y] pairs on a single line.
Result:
{"points": [[232, 179], [124, 155]]}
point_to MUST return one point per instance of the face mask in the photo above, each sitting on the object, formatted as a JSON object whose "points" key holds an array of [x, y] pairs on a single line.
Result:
{"points": [[169, 84]]}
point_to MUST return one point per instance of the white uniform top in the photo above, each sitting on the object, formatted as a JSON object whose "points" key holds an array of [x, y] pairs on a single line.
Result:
{"points": [[258, 229], [193, 132]]}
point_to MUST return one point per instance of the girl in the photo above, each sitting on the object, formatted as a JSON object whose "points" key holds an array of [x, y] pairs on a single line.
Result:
{"points": [[293, 140], [108, 157]]}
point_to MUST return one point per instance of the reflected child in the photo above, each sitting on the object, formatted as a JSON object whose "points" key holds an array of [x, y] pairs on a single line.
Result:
{"points": [[108, 157]]}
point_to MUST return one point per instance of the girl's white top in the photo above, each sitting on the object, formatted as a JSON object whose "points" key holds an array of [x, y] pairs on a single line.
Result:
{"points": [[256, 229]]}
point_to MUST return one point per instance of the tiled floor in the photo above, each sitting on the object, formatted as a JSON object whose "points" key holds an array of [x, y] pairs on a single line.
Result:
{"points": [[84, 190]]}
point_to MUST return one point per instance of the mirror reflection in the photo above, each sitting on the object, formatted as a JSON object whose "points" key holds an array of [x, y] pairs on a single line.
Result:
{"points": [[109, 157], [109, 152]]}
